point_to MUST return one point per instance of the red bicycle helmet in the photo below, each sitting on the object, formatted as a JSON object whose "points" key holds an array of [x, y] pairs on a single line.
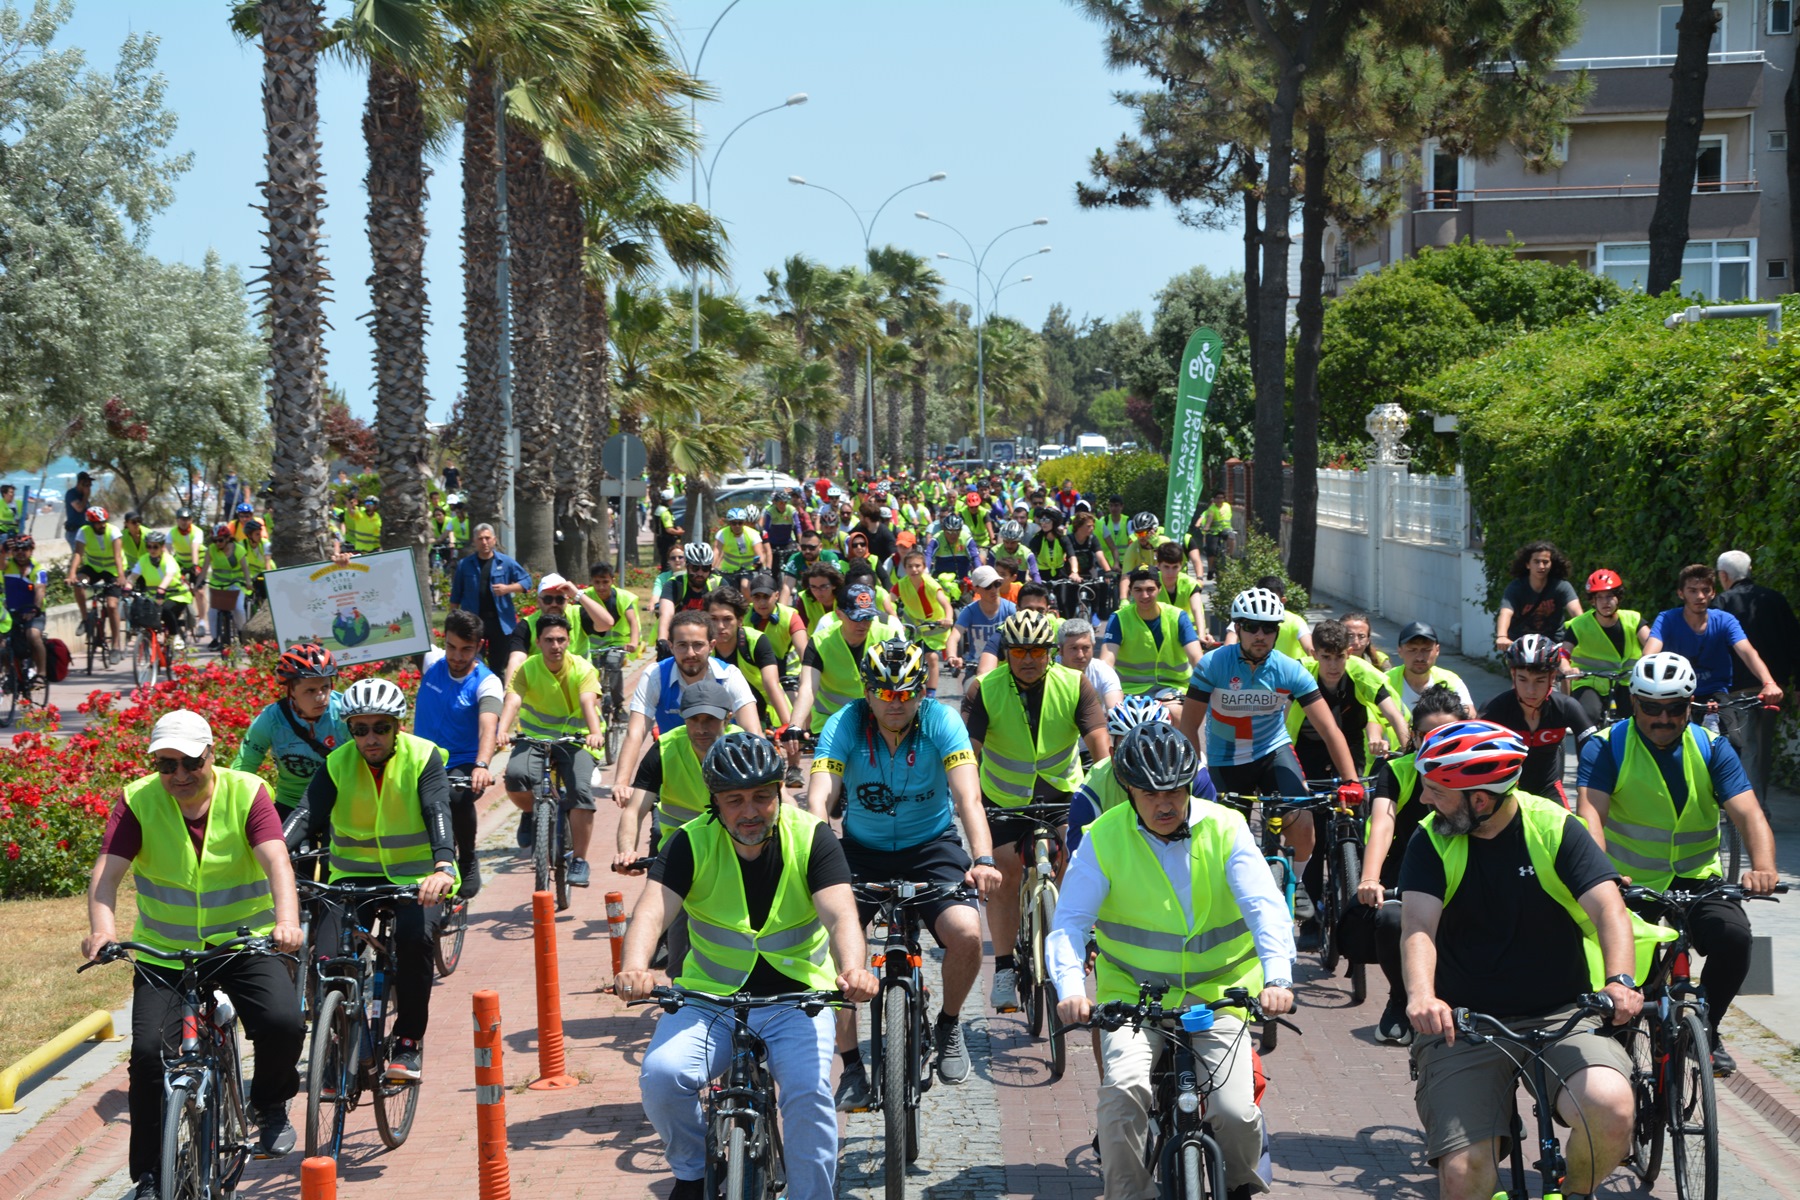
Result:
{"points": [[307, 660], [1466, 755], [1604, 580], [25, 542], [96, 515]]}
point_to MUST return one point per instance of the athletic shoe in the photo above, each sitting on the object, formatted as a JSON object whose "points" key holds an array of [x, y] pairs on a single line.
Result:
{"points": [[1724, 1066], [1004, 997], [471, 880], [853, 1090], [953, 1056], [147, 1189], [275, 1136], [406, 1063], [795, 778], [527, 831], [1393, 1026], [578, 872]]}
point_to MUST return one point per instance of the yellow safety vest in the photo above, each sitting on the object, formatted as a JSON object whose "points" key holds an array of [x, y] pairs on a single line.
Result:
{"points": [[1144, 666], [738, 551], [188, 901], [620, 633], [1142, 934], [257, 559], [841, 681], [779, 630], [1113, 535], [1594, 651], [186, 544], [380, 830], [364, 532], [1012, 761], [225, 570], [1645, 837], [134, 546], [550, 704], [683, 794], [722, 946], [97, 549], [912, 603], [1140, 553], [1406, 776], [579, 645], [167, 575]]}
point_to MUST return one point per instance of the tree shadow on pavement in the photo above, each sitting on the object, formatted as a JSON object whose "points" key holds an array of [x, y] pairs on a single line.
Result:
{"points": [[622, 1128], [1378, 1160]]}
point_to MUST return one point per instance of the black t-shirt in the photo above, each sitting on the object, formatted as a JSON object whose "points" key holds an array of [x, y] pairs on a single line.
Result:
{"points": [[484, 587], [827, 867], [649, 776], [1504, 946], [1537, 612], [1084, 553], [811, 657], [1406, 821], [1352, 715], [1544, 745]]}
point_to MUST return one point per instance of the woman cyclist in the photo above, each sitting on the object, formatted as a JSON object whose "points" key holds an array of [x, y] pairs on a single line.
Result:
{"points": [[299, 729]]}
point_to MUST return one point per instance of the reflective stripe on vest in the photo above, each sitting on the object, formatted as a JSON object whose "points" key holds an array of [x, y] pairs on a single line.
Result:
{"points": [[1594, 651], [164, 574], [1142, 934], [381, 831], [224, 570], [550, 706], [187, 900], [1144, 666], [1011, 762], [722, 947], [841, 680], [1645, 837]]}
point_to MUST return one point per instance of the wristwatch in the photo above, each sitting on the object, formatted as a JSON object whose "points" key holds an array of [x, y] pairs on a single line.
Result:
{"points": [[445, 869], [1288, 984], [481, 766], [986, 860], [1624, 981]]}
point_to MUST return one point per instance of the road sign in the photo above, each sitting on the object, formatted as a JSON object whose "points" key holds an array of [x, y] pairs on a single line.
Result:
{"points": [[1003, 451], [850, 444], [772, 452], [623, 456], [610, 488]]}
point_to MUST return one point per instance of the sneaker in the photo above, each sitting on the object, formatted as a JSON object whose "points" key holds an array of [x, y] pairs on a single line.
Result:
{"points": [[578, 872], [471, 880], [527, 831], [1724, 1066], [853, 1090], [796, 778], [180, 642], [1307, 938], [953, 1056], [147, 1189], [406, 1063], [1393, 1027], [275, 1134], [688, 1189], [1004, 996]]}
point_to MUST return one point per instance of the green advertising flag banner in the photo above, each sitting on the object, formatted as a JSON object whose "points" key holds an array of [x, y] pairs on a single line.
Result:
{"points": [[1199, 367]]}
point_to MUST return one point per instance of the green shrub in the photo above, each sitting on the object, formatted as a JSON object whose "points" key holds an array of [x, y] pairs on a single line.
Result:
{"points": [[1258, 555], [1140, 477]]}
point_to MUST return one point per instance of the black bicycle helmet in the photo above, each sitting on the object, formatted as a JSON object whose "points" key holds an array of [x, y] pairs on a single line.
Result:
{"points": [[184, 514], [1533, 652], [1156, 757], [742, 760], [951, 523]]}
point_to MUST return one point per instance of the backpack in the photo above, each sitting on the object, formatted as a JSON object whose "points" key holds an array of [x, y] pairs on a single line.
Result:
{"points": [[57, 659]]}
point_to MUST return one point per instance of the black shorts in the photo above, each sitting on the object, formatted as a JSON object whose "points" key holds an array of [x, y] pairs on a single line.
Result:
{"points": [[1009, 830], [941, 860], [89, 577], [1277, 772]]}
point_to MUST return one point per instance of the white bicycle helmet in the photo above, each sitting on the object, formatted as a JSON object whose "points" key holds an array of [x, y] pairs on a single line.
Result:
{"points": [[1663, 676], [1133, 711], [1145, 522], [375, 697], [752, 513], [1012, 531], [697, 554], [1257, 604]]}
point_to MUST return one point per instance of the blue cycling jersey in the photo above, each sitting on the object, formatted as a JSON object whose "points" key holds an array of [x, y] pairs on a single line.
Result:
{"points": [[1246, 707], [272, 735], [900, 799]]}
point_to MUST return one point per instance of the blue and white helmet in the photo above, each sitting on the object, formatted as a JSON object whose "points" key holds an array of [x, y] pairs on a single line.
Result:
{"points": [[1133, 711]]}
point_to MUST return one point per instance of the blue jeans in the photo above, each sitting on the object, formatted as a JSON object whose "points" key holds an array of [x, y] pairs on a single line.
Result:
{"points": [[692, 1047]]}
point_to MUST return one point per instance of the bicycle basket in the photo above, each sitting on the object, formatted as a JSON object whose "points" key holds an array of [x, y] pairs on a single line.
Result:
{"points": [[144, 613]]}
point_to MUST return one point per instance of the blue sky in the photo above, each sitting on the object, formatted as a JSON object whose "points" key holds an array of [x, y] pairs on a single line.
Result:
{"points": [[1008, 97]]}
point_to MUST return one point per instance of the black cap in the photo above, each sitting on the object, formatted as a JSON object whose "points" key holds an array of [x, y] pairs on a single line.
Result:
{"points": [[1418, 629], [707, 698], [762, 581]]}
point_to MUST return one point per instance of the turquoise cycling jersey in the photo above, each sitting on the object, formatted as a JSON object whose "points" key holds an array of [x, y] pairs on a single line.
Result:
{"points": [[1246, 707], [273, 735]]}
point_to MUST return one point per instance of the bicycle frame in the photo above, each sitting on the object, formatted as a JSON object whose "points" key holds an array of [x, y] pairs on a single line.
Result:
{"points": [[900, 966]]}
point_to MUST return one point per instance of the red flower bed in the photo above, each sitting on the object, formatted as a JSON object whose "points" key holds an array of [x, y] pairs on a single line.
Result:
{"points": [[57, 792]]}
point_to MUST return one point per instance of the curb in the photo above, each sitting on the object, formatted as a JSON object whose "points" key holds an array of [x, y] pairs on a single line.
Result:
{"points": [[1770, 1097], [62, 1134]]}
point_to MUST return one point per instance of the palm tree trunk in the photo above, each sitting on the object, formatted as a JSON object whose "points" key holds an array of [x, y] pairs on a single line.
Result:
{"points": [[484, 423], [394, 130], [535, 410], [918, 409], [293, 196], [892, 397], [574, 505], [596, 372]]}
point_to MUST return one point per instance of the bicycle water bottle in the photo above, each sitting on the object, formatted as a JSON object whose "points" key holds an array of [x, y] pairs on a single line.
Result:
{"points": [[377, 997], [224, 1012]]}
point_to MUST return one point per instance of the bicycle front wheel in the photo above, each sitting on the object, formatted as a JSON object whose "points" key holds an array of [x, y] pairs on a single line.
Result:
{"points": [[740, 1167], [615, 736], [561, 864], [1731, 849], [1059, 1038], [447, 947], [543, 847], [894, 1014], [1193, 1178], [143, 661], [1648, 1128], [327, 1077], [1693, 1112], [186, 1153]]}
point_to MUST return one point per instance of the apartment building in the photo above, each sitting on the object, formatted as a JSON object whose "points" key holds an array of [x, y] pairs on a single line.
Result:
{"points": [[1593, 207]]}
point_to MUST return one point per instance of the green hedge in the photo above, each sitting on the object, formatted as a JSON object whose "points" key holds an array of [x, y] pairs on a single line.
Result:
{"points": [[1635, 447], [1141, 477]]}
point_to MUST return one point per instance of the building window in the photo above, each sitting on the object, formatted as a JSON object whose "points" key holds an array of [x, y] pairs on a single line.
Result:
{"points": [[1778, 140], [1717, 270], [1778, 268], [1671, 13], [1781, 16], [1446, 176], [1709, 162]]}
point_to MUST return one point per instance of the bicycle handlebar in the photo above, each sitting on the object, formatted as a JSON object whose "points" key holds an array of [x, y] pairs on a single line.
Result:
{"points": [[361, 891], [1743, 700], [671, 997], [1470, 1023], [907, 893], [1676, 905], [636, 864], [244, 943], [1116, 1013]]}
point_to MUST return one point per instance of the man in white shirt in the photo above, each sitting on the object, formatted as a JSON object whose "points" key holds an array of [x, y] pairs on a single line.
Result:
{"points": [[1077, 653]]}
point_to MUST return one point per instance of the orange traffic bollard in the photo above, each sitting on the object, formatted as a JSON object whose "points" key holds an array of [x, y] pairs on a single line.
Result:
{"points": [[615, 928], [318, 1179], [552, 1071], [490, 1100]]}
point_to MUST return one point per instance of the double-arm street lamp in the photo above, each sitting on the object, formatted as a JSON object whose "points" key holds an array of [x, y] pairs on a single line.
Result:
{"points": [[975, 260], [868, 232]]}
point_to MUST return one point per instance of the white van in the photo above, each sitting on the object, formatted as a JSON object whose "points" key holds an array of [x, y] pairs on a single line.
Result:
{"points": [[1091, 443]]}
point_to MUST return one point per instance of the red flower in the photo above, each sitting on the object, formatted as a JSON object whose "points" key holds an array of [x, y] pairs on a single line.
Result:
{"points": [[12, 851]]}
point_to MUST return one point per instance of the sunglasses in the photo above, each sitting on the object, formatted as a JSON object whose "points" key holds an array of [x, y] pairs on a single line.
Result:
{"points": [[1258, 627], [1665, 708], [894, 695], [378, 729], [167, 766], [558, 601], [1029, 652]]}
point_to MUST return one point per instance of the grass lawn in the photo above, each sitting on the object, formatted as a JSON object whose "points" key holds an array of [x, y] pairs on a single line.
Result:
{"points": [[40, 993]]}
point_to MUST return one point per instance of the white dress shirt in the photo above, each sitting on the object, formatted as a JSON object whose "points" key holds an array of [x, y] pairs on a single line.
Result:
{"points": [[1085, 886]]}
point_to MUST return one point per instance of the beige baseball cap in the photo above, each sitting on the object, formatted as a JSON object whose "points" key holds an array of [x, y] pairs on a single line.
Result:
{"points": [[183, 731]]}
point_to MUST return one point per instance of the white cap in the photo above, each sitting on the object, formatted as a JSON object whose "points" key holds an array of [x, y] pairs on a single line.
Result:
{"points": [[984, 577], [183, 731], [550, 582]]}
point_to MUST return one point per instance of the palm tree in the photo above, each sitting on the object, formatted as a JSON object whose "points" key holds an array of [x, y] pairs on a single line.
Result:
{"points": [[820, 305], [293, 195], [1015, 378], [922, 322]]}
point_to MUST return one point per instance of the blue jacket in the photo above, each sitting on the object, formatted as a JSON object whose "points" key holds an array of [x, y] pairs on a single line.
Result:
{"points": [[465, 588]]}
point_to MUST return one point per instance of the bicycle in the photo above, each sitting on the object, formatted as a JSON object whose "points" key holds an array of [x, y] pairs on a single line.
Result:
{"points": [[551, 848], [1341, 842], [1037, 912], [900, 1036], [153, 656], [610, 662], [20, 680], [93, 625], [1731, 842], [206, 1133], [352, 1032], [447, 943], [1552, 1167], [1189, 1164], [743, 1137], [1671, 1053]]}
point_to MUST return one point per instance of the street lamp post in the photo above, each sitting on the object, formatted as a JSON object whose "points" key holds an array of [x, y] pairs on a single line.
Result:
{"points": [[868, 232], [980, 352]]}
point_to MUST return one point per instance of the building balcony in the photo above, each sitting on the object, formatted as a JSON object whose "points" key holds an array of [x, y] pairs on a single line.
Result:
{"points": [[1567, 216], [1625, 87]]}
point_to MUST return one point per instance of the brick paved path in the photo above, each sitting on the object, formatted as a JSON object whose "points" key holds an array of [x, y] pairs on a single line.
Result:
{"points": [[1341, 1112]]}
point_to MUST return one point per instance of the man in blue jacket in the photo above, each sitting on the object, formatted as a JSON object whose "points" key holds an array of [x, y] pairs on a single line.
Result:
{"points": [[485, 584]]}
